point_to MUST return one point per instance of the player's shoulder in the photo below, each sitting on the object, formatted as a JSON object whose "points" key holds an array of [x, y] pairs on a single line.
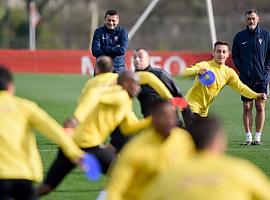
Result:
{"points": [[228, 70], [115, 90], [102, 79], [121, 29], [204, 63], [159, 72], [265, 33], [99, 30], [182, 136], [25, 104], [141, 142], [241, 33]]}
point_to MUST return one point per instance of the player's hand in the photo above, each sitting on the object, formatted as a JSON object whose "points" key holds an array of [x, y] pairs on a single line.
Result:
{"points": [[71, 122], [202, 71], [262, 96]]}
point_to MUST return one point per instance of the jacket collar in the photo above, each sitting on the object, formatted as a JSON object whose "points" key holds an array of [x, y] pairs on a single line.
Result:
{"points": [[146, 69], [254, 32], [109, 30]]}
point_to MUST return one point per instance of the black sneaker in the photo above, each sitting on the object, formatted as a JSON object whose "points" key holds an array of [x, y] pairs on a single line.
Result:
{"points": [[257, 143], [247, 143]]}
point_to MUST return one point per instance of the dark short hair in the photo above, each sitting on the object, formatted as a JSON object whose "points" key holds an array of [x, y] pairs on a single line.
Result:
{"points": [[140, 48], [5, 78], [203, 130], [251, 11], [111, 12], [157, 105], [221, 43], [104, 64]]}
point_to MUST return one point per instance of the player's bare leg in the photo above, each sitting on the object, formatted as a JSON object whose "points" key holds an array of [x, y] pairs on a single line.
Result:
{"points": [[43, 189], [248, 120], [259, 121]]}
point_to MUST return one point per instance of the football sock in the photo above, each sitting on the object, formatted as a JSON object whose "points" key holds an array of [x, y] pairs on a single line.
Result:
{"points": [[258, 136], [249, 137]]}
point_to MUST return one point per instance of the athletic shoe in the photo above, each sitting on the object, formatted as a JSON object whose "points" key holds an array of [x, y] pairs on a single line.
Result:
{"points": [[257, 143], [247, 143]]}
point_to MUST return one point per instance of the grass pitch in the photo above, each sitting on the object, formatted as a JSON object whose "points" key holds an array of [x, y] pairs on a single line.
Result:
{"points": [[57, 94]]}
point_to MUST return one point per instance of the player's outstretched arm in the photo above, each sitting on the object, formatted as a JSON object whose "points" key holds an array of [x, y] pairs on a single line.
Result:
{"points": [[154, 82]]}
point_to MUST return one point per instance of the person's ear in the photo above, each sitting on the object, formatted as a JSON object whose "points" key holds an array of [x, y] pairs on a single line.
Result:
{"points": [[11, 88]]}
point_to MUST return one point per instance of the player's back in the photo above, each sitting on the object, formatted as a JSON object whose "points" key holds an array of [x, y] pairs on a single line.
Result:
{"points": [[19, 156], [104, 108], [211, 177], [143, 158]]}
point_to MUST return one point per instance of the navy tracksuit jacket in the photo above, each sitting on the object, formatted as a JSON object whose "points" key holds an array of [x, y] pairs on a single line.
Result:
{"points": [[113, 43], [251, 55]]}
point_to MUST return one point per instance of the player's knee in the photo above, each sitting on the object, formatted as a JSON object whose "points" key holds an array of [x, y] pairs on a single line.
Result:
{"points": [[43, 189], [260, 108], [247, 108]]}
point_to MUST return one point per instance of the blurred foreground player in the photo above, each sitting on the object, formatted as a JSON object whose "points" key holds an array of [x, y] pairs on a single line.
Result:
{"points": [[20, 163], [104, 77], [199, 96], [160, 147], [210, 175], [102, 110]]}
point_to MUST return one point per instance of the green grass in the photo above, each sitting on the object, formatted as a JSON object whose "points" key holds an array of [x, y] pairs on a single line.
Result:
{"points": [[57, 94]]}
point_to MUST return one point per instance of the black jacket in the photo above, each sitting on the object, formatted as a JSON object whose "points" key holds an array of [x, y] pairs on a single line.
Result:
{"points": [[148, 95]]}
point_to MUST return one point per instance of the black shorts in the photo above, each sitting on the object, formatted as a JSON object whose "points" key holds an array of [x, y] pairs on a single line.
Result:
{"points": [[18, 189], [62, 165], [118, 140], [258, 87]]}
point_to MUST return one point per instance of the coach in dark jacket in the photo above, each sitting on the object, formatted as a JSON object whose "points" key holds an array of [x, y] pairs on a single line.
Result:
{"points": [[148, 95], [251, 56], [111, 40]]}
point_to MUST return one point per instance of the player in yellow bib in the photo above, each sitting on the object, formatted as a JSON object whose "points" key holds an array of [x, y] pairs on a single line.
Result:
{"points": [[156, 149], [200, 96], [210, 175], [101, 110], [20, 164]]}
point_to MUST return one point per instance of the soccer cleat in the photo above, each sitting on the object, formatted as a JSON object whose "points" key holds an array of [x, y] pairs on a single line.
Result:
{"points": [[257, 143], [247, 143]]}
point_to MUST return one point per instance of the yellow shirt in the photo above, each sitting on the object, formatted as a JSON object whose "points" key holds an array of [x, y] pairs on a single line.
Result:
{"points": [[105, 108], [108, 79], [143, 158], [211, 177], [105, 79], [200, 97], [18, 151]]}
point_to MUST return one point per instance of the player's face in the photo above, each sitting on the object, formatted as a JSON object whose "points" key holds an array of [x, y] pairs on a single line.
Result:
{"points": [[252, 20], [133, 87], [111, 21], [220, 142], [221, 53], [165, 120], [140, 59]]}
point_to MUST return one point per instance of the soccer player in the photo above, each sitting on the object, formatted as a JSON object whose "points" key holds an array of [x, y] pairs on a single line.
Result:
{"points": [[20, 164], [199, 96], [148, 95], [111, 40], [101, 111], [103, 77], [210, 175], [160, 147], [251, 56]]}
